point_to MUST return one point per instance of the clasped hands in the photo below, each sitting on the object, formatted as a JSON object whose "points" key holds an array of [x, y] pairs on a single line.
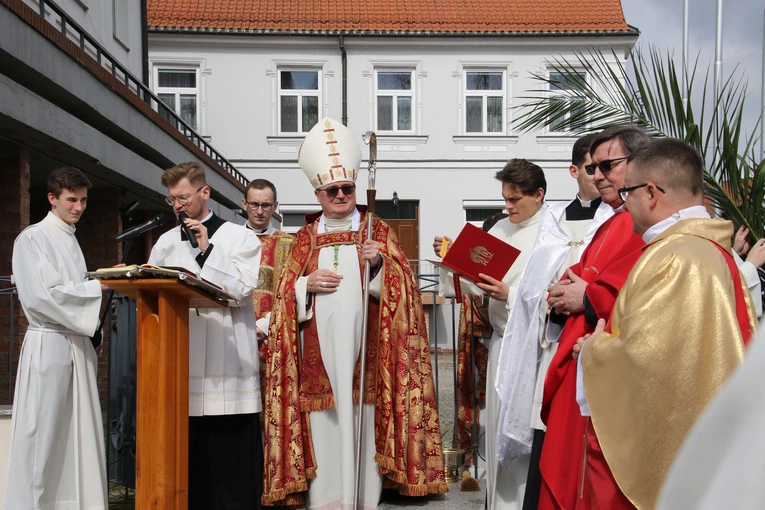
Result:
{"points": [[324, 281], [567, 296]]}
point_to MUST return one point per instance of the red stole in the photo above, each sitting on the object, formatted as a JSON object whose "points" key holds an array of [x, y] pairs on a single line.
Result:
{"points": [[605, 265]]}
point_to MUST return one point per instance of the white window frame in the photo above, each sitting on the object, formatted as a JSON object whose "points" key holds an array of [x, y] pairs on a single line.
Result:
{"points": [[553, 93], [485, 94], [157, 67], [300, 93], [411, 93]]}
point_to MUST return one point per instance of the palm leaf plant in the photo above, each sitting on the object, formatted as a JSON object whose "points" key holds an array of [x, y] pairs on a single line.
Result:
{"points": [[594, 91]]}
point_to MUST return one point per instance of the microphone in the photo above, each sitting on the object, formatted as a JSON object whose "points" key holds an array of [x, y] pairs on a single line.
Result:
{"points": [[136, 231], [192, 238]]}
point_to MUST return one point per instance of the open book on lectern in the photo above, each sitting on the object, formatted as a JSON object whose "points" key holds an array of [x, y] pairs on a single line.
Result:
{"points": [[475, 251], [183, 275]]}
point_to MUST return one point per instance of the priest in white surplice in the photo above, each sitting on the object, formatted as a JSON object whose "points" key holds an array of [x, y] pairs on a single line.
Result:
{"points": [[565, 230], [314, 349], [57, 459], [225, 449], [523, 188]]}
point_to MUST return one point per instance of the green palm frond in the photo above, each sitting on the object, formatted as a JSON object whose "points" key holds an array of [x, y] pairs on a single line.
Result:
{"points": [[600, 92]]}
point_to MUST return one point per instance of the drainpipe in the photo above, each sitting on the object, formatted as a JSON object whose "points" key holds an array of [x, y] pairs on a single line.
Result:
{"points": [[145, 42], [344, 58]]}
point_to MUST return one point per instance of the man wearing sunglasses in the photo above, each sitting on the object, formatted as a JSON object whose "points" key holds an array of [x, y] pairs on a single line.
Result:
{"points": [[260, 204], [225, 449], [586, 292], [314, 352], [678, 330], [565, 230]]}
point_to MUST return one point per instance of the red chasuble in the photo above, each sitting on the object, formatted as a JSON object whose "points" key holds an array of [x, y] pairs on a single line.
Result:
{"points": [[399, 378], [275, 250], [605, 265]]}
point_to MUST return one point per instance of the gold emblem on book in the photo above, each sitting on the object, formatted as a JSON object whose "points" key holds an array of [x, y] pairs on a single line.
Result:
{"points": [[481, 255]]}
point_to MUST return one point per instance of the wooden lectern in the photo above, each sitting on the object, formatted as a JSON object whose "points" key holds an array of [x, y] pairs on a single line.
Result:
{"points": [[162, 380]]}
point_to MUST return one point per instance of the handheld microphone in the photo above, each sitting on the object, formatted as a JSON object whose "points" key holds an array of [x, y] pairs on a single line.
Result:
{"points": [[190, 235], [136, 231]]}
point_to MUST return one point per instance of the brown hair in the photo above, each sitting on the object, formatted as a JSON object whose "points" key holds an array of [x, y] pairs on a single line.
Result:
{"points": [[192, 171], [67, 178], [260, 184], [523, 174], [581, 149], [674, 163]]}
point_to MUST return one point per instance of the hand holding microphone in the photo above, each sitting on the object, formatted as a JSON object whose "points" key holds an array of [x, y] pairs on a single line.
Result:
{"points": [[190, 234]]}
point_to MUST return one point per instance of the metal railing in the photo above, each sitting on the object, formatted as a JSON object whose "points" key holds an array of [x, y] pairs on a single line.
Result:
{"points": [[12, 296], [90, 46]]}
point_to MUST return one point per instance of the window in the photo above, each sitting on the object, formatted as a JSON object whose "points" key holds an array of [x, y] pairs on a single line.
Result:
{"points": [[299, 98], [558, 83], [485, 102], [121, 25], [178, 89], [394, 92]]}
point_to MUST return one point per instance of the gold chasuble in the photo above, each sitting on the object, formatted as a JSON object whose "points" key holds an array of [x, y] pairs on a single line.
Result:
{"points": [[399, 379], [275, 250], [674, 341]]}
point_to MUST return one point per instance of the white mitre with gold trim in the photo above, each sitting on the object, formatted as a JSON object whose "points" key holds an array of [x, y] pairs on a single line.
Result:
{"points": [[329, 153]]}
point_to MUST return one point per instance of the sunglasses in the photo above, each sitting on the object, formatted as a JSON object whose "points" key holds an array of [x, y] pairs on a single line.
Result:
{"points": [[605, 166], [347, 189]]}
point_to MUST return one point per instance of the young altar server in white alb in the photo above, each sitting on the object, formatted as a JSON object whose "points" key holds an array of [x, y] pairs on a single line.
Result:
{"points": [[225, 449], [565, 230], [57, 458], [523, 188]]}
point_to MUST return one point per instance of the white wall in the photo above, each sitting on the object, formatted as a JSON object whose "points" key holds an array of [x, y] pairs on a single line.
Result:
{"points": [[438, 166], [114, 24]]}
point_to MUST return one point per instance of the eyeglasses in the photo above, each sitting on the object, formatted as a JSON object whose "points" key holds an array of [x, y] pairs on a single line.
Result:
{"points": [[605, 166], [625, 192], [182, 200], [266, 206], [347, 189]]}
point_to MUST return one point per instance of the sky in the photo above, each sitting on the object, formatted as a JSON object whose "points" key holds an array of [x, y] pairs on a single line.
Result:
{"points": [[661, 24]]}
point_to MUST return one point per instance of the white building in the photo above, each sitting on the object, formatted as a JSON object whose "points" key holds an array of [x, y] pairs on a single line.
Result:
{"points": [[436, 82]]}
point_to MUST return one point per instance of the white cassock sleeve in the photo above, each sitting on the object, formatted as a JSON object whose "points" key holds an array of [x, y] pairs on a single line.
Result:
{"points": [[752, 282], [236, 272], [47, 296]]}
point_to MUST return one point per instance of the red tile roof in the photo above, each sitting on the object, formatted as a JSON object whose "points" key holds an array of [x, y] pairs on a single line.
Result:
{"points": [[389, 16]]}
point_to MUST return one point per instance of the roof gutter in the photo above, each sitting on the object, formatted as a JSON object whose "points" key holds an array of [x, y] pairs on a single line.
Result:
{"points": [[632, 32]]}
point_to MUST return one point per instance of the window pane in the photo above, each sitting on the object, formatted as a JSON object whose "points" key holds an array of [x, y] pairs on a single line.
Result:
{"points": [[300, 80], [481, 214], [404, 113], [394, 81], [557, 124], [310, 112], [164, 111], [289, 114], [484, 81], [494, 114], [177, 78], [384, 113], [189, 110], [474, 115], [560, 82]]}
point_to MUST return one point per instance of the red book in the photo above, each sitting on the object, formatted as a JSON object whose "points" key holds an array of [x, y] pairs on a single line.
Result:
{"points": [[475, 251]]}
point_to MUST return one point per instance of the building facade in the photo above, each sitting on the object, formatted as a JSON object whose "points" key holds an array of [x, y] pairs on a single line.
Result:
{"points": [[437, 81]]}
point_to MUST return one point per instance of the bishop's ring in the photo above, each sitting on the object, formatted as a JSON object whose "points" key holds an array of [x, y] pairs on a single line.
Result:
{"points": [[323, 284]]}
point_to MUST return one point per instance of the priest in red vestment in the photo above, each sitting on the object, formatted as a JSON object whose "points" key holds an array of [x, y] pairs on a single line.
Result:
{"points": [[677, 332], [595, 282], [260, 202]]}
